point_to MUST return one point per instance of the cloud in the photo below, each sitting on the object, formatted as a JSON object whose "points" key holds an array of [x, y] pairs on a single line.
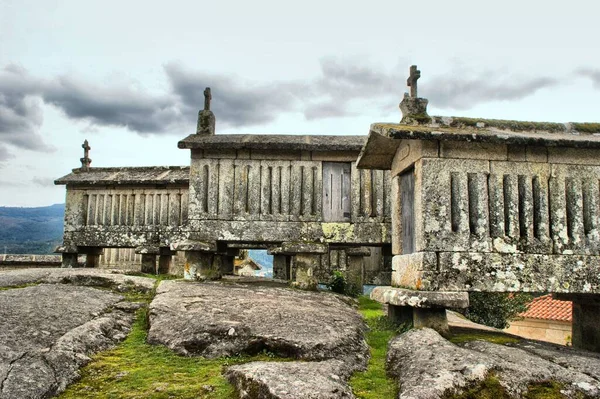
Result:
{"points": [[592, 74], [465, 90], [234, 102], [21, 113], [122, 106], [43, 181]]}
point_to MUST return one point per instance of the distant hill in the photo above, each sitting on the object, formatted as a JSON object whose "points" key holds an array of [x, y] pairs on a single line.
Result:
{"points": [[31, 230]]}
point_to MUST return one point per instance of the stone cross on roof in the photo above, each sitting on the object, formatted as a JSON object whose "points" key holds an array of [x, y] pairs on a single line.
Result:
{"points": [[412, 80], [207, 98], [86, 160]]}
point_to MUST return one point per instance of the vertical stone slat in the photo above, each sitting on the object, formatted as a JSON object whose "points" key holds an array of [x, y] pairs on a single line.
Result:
{"points": [[387, 198], [100, 209], [240, 195], [317, 181], [308, 195], [156, 212], [174, 208], [91, 218], [184, 206], [115, 209], [574, 203], [558, 214], [253, 199], [511, 206], [149, 210], [367, 193], [266, 190], [108, 209], [496, 205], [84, 208], [378, 199], [356, 192], [224, 183], [459, 203], [122, 209], [396, 215], [541, 229], [285, 175], [164, 209], [590, 209], [296, 187], [130, 209], [525, 206], [478, 204], [138, 210]]}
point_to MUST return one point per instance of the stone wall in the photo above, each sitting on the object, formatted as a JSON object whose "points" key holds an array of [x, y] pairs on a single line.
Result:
{"points": [[558, 332]]}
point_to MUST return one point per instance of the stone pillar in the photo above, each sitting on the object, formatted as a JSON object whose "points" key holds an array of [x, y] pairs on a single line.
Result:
{"points": [[69, 260], [149, 263], [201, 266], [281, 267], [355, 266], [225, 263], [92, 260], [586, 320], [164, 263], [304, 264]]}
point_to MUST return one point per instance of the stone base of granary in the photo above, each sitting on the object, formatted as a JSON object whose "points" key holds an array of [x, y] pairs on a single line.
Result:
{"points": [[69, 260], [420, 308], [497, 272], [586, 320], [149, 263], [201, 266], [304, 266]]}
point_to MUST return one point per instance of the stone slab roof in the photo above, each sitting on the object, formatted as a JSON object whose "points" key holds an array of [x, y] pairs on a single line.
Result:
{"points": [[384, 138], [546, 308], [273, 142], [150, 175]]}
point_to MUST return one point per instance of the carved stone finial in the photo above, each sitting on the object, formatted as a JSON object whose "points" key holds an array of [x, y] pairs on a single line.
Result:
{"points": [[414, 109], [206, 118], [207, 98], [86, 161], [411, 82]]}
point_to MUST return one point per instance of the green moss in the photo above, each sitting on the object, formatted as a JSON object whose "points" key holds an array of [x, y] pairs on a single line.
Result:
{"points": [[463, 335], [586, 127], [508, 124], [12, 287], [373, 383], [489, 388]]}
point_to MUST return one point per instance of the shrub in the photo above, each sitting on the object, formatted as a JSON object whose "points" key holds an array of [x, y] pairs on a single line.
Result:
{"points": [[338, 283], [496, 309]]}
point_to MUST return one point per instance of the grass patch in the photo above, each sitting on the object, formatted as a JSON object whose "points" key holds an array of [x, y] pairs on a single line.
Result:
{"points": [[464, 335], [374, 383], [12, 287], [135, 369]]}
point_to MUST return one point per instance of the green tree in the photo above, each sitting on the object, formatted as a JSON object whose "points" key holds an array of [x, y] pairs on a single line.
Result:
{"points": [[496, 309]]}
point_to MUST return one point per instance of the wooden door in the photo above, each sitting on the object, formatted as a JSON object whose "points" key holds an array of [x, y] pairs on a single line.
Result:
{"points": [[407, 200], [336, 192]]}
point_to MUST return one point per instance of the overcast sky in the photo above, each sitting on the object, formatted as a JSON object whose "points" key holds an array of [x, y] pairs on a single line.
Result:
{"points": [[129, 75]]}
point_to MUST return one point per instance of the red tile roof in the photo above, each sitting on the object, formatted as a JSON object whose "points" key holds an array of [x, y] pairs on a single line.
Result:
{"points": [[546, 308]]}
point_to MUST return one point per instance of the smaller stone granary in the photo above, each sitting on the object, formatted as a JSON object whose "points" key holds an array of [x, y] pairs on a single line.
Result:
{"points": [[492, 205], [300, 197]]}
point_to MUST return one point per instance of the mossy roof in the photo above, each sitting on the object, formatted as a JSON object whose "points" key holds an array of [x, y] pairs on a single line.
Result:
{"points": [[149, 175]]}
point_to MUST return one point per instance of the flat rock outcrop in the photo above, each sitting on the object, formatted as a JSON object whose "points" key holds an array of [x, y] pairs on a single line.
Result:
{"points": [[292, 380], [49, 330], [85, 277], [427, 366], [225, 319]]}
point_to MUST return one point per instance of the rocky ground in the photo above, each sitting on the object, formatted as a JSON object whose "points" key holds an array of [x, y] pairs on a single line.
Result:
{"points": [[216, 319], [52, 320], [49, 330]]}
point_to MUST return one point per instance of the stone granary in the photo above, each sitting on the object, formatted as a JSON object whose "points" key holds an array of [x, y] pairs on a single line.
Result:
{"points": [[300, 197], [490, 205]]}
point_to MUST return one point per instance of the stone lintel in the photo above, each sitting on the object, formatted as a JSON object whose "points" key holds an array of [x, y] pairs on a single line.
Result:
{"points": [[148, 250], [358, 251], [420, 299], [247, 245], [300, 247], [194, 246]]}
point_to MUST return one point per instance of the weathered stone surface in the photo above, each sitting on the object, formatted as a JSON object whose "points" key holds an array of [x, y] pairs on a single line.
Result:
{"points": [[219, 319], [420, 299], [303, 248], [292, 380], [86, 277], [127, 176], [42, 346], [427, 366], [18, 259]]}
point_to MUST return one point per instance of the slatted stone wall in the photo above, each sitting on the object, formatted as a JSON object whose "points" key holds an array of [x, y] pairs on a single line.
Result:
{"points": [[473, 205], [135, 207], [274, 190]]}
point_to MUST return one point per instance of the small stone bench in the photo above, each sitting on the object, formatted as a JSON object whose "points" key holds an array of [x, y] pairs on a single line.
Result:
{"points": [[421, 308]]}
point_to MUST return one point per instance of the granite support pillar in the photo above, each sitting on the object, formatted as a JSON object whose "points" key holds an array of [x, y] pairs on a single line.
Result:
{"points": [[281, 267], [201, 266], [92, 260], [149, 263], [69, 260], [306, 258], [586, 320]]}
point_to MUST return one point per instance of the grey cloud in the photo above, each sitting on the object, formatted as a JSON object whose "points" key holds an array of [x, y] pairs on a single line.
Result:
{"points": [[592, 74], [455, 91], [43, 181], [113, 106], [234, 102]]}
